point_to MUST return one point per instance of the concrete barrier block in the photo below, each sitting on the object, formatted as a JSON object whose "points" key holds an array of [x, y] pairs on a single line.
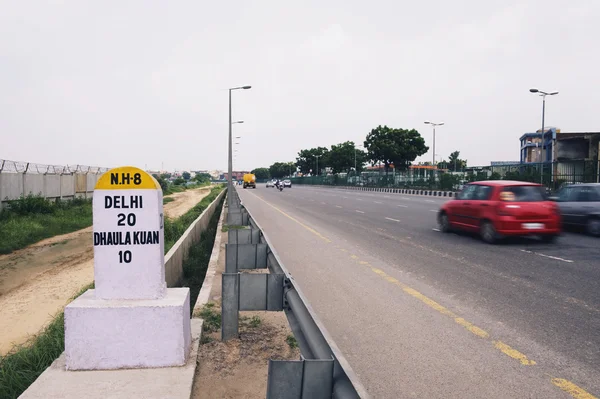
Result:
{"points": [[52, 186], [91, 181], [34, 184], [80, 183], [114, 334], [11, 186], [67, 186]]}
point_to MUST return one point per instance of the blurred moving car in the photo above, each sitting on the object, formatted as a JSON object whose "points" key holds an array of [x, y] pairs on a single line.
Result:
{"points": [[579, 206], [497, 209], [287, 183], [271, 183]]}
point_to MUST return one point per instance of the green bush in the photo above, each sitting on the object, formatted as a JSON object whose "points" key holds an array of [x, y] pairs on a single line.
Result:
{"points": [[31, 219], [25, 363], [175, 228]]}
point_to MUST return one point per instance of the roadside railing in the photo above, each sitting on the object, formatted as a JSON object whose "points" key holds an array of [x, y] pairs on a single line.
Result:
{"points": [[177, 255], [322, 372]]}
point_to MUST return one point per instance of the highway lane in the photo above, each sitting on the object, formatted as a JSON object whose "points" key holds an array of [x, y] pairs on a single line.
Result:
{"points": [[546, 307]]}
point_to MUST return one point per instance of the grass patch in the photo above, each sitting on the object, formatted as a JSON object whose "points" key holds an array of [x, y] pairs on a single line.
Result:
{"points": [[255, 321], [227, 227], [211, 317], [196, 264], [31, 219], [166, 200], [174, 228], [291, 341], [24, 364]]}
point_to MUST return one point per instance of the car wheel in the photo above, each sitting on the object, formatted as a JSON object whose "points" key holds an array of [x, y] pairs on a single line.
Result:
{"points": [[444, 223], [488, 232], [593, 227]]}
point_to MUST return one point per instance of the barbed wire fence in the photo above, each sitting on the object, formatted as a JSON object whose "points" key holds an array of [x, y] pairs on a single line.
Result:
{"points": [[7, 166]]}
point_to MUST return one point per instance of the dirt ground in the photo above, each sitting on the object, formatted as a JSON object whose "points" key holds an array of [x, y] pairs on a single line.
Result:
{"points": [[36, 282], [184, 201], [238, 368]]}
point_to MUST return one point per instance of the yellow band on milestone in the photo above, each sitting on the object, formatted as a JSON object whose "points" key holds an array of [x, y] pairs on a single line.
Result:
{"points": [[126, 178]]}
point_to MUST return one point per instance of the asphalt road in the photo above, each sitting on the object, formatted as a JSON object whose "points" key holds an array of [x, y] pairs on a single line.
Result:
{"points": [[420, 313]]}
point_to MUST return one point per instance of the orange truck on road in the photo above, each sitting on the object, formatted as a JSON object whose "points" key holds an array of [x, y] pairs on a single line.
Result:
{"points": [[249, 180]]}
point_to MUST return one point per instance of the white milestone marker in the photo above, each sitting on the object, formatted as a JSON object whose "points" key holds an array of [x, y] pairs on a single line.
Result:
{"points": [[128, 236]]}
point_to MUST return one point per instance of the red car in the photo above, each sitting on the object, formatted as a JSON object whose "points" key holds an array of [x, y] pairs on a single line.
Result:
{"points": [[502, 208]]}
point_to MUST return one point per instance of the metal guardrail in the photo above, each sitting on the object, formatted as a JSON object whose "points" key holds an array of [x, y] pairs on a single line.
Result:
{"points": [[322, 372]]}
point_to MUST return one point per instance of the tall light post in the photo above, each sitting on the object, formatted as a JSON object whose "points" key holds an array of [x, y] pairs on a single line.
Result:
{"points": [[544, 94], [230, 157], [433, 149], [355, 148], [318, 156]]}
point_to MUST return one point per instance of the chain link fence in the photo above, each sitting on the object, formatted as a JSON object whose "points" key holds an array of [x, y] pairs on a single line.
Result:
{"points": [[7, 166], [55, 182]]}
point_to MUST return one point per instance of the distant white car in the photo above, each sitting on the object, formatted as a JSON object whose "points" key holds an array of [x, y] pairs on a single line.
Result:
{"points": [[270, 183], [287, 183]]}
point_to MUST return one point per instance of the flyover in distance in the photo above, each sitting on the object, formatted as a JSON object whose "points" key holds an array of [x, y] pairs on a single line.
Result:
{"points": [[419, 313]]}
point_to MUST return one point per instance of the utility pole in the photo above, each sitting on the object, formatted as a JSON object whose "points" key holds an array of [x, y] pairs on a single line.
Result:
{"points": [[544, 94], [318, 156]]}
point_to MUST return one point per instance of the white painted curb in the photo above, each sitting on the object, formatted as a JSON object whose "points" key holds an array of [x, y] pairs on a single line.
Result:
{"points": [[207, 284]]}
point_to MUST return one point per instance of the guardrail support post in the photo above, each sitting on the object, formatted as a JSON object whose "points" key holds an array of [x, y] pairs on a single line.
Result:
{"points": [[300, 379], [230, 294]]}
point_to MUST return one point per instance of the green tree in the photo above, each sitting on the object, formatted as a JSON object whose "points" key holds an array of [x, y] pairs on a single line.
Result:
{"points": [[186, 176], [262, 173], [307, 159], [281, 169], [202, 178], [164, 184], [179, 181], [342, 157], [448, 181], [455, 163], [394, 146]]}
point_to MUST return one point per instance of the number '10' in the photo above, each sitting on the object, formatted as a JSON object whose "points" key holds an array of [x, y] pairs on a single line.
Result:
{"points": [[124, 256]]}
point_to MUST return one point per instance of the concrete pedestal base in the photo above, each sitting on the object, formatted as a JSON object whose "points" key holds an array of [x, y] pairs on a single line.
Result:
{"points": [[113, 334]]}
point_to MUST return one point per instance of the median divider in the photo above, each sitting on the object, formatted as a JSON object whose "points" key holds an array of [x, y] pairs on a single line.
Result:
{"points": [[408, 191], [322, 372]]}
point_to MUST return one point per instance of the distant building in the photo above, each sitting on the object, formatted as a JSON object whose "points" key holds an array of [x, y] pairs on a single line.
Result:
{"points": [[555, 145], [236, 175]]}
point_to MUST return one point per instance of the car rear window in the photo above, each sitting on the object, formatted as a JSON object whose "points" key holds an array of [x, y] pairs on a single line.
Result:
{"points": [[523, 194]]}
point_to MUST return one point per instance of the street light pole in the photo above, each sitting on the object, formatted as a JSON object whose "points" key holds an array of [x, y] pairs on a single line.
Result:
{"points": [[355, 151], [544, 94], [318, 156], [230, 157], [434, 125]]}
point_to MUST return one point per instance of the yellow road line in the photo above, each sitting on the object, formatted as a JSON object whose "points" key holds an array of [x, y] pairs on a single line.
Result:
{"points": [[572, 389], [471, 327], [315, 232], [515, 354], [430, 302]]}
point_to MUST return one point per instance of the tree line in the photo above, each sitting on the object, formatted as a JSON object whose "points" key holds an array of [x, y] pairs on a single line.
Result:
{"points": [[383, 145]]}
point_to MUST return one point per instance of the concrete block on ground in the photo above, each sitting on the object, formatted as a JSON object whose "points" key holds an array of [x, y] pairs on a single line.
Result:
{"points": [[155, 383], [113, 334]]}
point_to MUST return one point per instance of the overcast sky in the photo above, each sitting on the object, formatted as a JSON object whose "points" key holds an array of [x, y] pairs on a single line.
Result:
{"points": [[110, 83]]}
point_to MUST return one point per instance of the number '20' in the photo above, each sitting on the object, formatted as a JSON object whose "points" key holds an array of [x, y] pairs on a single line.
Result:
{"points": [[130, 218]]}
